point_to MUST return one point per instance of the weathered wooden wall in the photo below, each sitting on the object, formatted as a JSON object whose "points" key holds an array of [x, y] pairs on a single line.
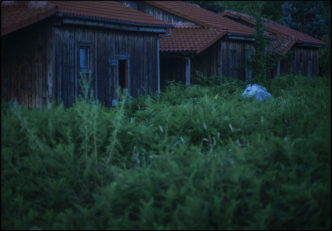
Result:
{"points": [[208, 61], [107, 46], [24, 65], [233, 58], [301, 60], [172, 68], [225, 58]]}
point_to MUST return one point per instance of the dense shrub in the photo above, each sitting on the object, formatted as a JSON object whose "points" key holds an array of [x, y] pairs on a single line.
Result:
{"points": [[196, 158]]}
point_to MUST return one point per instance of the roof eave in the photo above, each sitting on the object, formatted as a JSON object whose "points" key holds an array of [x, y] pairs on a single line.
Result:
{"points": [[237, 36], [308, 44], [182, 52], [114, 21]]}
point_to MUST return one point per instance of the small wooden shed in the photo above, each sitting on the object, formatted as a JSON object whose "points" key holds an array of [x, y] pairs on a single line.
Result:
{"points": [[47, 45], [300, 51], [200, 40]]}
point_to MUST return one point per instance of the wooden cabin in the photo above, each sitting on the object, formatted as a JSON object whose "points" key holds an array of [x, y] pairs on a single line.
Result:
{"points": [[200, 40], [47, 46], [298, 51]]}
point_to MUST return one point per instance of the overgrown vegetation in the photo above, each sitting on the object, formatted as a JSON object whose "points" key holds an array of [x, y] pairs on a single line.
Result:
{"points": [[195, 158]]}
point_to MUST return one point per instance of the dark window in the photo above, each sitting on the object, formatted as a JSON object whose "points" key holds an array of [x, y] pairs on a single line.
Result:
{"points": [[84, 57], [85, 66]]}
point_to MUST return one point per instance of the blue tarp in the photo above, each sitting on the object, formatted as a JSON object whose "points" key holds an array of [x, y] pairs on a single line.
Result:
{"points": [[254, 90]]}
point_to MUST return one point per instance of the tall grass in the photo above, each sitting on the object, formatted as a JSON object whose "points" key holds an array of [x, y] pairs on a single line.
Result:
{"points": [[194, 158]]}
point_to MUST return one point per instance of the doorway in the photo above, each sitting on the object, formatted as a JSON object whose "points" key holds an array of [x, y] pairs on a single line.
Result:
{"points": [[123, 74], [121, 77]]}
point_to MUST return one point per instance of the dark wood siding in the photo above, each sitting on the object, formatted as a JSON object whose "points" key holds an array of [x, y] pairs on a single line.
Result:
{"points": [[208, 61], [301, 60], [172, 68], [233, 56], [225, 57], [107, 47], [24, 65]]}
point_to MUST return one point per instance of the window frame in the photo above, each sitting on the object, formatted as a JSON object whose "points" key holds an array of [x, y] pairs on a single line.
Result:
{"points": [[87, 51], [89, 68]]}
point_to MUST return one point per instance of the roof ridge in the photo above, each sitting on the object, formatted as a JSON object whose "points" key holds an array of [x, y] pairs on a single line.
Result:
{"points": [[177, 13], [200, 16]]}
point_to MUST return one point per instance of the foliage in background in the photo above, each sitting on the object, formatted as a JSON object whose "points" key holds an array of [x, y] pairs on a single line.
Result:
{"points": [[195, 158], [325, 52], [270, 9], [324, 57], [313, 18], [305, 16]]}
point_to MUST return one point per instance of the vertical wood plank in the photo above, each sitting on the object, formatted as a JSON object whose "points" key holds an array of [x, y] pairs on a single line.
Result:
{"points": [[49, 58], [188, 71]]}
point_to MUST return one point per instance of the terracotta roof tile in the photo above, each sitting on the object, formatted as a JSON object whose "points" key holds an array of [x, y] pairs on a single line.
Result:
{"points": [[200, 16], [108, 10], [17, 16], [193, 40], [294, 34], [283, 44]]}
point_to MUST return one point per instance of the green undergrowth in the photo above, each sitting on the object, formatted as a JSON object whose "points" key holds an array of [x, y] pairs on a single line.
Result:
{"points": [[192, 158]]}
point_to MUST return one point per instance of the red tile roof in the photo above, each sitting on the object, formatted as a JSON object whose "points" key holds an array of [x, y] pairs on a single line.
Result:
{"points": [[210, 27], [200, 16], [20, 15], [283, 44], [294, 34], [286, 37], [15, 17], [193, 40]]}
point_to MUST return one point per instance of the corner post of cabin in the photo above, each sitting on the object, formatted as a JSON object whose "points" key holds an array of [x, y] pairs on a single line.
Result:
{"points": [[158, 67], [278, 67], [188, 71]]}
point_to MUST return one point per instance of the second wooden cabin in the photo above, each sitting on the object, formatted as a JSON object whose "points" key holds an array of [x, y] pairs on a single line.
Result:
{"points": [[200, 40], [299, 51]]}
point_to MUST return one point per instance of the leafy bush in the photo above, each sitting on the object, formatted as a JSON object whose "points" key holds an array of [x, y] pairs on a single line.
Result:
{"points": [[196, 158]]}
